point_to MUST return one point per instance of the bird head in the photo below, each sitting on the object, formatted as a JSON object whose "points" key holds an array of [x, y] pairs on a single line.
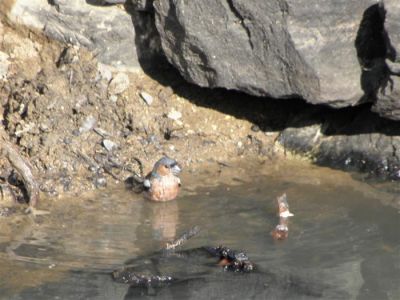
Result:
{"points": [[166, 166]]}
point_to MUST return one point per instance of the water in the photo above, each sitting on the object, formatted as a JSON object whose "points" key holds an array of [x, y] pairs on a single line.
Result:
{"points": [[344, 240]]}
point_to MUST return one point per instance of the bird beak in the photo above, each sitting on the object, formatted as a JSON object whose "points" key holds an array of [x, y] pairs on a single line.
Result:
{"points": [[176, 170]]}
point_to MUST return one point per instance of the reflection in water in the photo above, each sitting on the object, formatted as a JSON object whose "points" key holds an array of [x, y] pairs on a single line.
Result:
{"points": [[164, 220], [344, 243]]}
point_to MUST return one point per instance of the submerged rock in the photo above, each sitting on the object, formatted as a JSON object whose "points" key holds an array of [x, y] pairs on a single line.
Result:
{"points": [[195, 272]]}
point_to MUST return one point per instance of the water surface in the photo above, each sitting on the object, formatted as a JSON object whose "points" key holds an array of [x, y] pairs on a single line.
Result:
{"points": [[344, 240]]}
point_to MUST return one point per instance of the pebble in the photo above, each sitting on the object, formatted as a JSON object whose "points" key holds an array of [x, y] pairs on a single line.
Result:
{"points": [[255, 128], [4, 64], [104, 72], [88, 124], [26, 128], [44, 127], [119, 84], [113, 98], [109, 145], [100, 182], [81, 101], [174, 115], [146, 98], [101, 132]]}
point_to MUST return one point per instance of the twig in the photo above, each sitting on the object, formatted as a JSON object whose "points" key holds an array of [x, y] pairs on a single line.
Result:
{"points": [[23, 168], [182, 239]]}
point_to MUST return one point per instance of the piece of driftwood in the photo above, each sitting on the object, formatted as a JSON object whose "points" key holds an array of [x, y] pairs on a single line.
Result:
{"points": [[182, 239], [22, 166]]}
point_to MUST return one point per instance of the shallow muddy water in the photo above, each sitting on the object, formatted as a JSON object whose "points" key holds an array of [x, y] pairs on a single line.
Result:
{"points": [[344, 240]]}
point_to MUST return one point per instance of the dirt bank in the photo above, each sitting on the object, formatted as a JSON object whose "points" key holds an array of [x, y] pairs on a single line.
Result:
{"points": [[83, 126]]}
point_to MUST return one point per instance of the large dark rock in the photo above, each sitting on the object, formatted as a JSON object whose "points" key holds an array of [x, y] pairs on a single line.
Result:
{"points": [[324, 51]]}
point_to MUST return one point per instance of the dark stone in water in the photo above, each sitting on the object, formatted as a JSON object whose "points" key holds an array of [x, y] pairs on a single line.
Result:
{"points": [[207, 271], [353, 139]]}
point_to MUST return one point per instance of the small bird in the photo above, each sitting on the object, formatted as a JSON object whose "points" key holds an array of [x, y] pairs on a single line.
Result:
{"points": [[281, 231], [163, 183]]}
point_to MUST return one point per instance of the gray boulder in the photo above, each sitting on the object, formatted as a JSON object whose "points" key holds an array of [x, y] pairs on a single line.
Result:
{"points": [[107, 31], [282, 49]]}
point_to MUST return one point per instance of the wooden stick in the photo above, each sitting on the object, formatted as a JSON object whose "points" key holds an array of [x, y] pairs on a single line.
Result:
{"points": [[182, 239], [22, 167]]}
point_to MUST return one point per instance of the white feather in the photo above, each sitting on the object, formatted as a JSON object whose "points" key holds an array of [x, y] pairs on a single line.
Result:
{"points": [[147, 183], [286, 214]]}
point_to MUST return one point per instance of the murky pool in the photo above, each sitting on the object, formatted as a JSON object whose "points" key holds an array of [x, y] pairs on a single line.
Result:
{"points": [[344, 240]]}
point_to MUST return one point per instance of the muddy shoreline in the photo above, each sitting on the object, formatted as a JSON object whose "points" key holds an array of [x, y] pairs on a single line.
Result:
{"points": [[82, 125]]}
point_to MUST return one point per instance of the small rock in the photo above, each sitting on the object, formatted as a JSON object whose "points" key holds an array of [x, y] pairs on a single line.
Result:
{"points": [[104, 72], [4, 64], [7, 211], [81, 101], [113, 98], [174, 115], [152, 139], [44, 127], [100, 182], [119, 84], [88, 125], [166, 93], [255, 128], [101, 132], [26, 128], [146, 98], [67, 140], [109, 145], [68, 56]]}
